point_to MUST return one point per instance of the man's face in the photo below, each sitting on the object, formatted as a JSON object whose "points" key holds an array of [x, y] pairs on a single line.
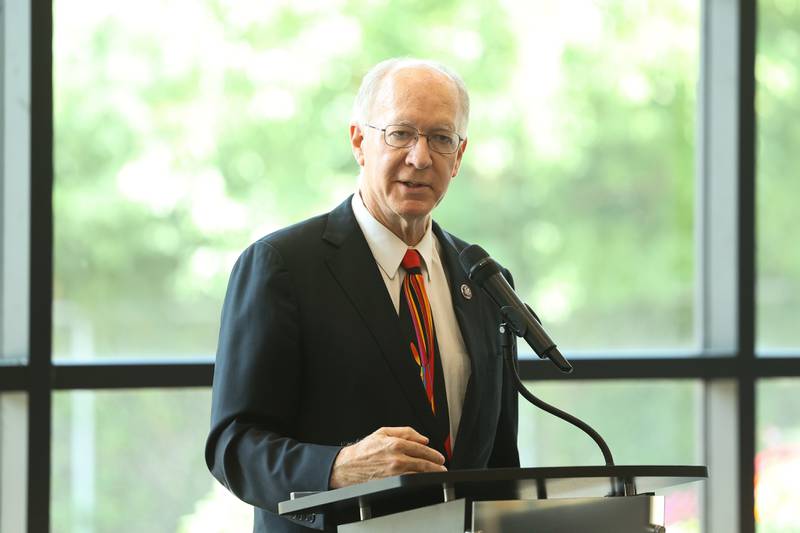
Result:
{"points": [[405, 184]]}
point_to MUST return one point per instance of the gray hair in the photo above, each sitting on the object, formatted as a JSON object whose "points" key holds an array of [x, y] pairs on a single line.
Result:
{"points": [[373, 82]]}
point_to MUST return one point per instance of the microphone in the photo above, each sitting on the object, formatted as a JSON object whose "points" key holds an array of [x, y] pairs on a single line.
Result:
{"points": [[485, 271]]}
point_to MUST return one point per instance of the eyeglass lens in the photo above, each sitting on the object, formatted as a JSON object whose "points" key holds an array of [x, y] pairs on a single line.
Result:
{"points": [[405, 136]]}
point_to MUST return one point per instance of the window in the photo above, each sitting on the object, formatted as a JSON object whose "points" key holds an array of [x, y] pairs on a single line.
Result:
{"points": [[13, 455], [778, 77], [132, 461], [170, 159], [778, 457], [661, 424]]}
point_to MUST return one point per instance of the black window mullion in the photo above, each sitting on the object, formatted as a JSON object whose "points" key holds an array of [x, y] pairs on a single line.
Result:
{"points": [[41, 267], [747, 262], [132, 375], [13, 378]]}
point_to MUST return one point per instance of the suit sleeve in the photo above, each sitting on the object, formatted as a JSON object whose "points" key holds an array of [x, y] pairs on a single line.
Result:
{"points": [[505, 452], [257, 384]]}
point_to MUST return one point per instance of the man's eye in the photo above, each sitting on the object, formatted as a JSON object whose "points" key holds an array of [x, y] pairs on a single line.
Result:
{"points": [[444, 140], [400, 135]]}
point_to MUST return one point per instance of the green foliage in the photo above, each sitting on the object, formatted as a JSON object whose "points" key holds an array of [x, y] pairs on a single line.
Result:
{"points": [[599, 194], [663, 433], [778, 187]]}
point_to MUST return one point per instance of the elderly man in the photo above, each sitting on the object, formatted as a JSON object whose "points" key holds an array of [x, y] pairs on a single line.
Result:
{"points": [[352, 345]]}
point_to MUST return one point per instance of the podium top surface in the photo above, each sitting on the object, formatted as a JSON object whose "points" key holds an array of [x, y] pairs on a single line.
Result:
{"points": [[494, 484]]}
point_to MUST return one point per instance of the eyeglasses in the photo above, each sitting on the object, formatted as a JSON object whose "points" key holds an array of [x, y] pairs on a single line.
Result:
{"points": [[397, 136]]}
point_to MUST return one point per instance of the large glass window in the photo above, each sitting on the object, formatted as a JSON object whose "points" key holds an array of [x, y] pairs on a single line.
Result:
{"points": [[132, 461], [181, 137], [185, 129], [15, 166], [660, 425], [647, 422], [778, 456], [581, 168], [778, 177], [13, 461]]}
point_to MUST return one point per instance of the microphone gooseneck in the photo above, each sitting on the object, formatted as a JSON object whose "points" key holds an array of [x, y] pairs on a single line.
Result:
{"points": [[507, 343], [519, 319]]}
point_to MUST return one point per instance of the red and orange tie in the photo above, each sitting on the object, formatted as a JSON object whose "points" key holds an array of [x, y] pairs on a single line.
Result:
{"points": [[415, 313]]}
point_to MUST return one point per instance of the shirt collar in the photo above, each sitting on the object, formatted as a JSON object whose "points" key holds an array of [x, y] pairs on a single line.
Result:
{"points": [[387, 248]]}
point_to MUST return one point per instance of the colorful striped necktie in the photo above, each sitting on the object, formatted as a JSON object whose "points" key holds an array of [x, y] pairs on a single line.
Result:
{"points": [[415, 315]]}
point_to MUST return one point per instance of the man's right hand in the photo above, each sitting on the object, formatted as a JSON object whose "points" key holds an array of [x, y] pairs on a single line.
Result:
{"points": [[386, 452]]}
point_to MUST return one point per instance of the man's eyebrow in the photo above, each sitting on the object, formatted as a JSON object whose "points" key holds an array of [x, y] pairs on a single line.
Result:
{"points": [[436, 127]]}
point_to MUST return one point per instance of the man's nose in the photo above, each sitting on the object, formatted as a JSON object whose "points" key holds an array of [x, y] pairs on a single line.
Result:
{"points": [[420, 154]]}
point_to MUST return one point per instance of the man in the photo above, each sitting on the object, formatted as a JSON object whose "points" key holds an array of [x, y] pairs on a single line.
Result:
{"points": [[352, 345]]}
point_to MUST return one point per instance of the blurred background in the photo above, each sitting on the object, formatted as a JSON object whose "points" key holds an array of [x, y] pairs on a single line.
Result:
{"points": [[186, 129]]}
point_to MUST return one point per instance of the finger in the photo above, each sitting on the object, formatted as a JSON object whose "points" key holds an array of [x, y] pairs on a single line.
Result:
{"points": [[417, 466], [407, 433], [417, 451]]}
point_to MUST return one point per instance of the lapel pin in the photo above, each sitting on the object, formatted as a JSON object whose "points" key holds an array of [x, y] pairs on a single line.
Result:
{"points": [[466, 292]]}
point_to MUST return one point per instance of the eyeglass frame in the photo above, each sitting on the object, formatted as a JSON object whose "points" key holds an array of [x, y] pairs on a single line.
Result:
{"points": [[416, 139]]}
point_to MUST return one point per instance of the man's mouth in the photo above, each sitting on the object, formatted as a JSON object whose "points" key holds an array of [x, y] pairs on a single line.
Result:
{"points": [[412, 184]]}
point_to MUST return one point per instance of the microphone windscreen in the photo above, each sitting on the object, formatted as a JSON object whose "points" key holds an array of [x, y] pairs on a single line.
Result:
{"points": [[477, 264], [471, 256]]}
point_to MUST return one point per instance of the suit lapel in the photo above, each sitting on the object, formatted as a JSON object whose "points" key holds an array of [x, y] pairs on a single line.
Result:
{"points": [[352, 264], [472, 324]]}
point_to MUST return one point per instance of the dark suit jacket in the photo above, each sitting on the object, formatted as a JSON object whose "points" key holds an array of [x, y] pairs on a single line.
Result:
{"points": [[311, 358]]}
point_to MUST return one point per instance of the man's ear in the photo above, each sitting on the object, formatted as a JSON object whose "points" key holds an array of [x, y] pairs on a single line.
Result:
{"points": [[356, 140], [459, 155]]}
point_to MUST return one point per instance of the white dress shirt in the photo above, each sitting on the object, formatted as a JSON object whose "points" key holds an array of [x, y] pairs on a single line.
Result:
{"points": [[388, 250]]}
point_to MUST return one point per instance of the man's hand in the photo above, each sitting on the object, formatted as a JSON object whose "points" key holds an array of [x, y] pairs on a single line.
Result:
{"points": [[386, 452]]}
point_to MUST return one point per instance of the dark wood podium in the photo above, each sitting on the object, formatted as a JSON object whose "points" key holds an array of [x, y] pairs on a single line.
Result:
{"points": [[600, 499]]}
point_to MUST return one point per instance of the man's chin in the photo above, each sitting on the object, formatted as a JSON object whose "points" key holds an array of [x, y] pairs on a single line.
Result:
{"points": [[415, 210]]}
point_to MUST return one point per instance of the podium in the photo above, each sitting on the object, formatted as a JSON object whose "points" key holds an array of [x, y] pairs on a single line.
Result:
{"points": [[600, 499]]}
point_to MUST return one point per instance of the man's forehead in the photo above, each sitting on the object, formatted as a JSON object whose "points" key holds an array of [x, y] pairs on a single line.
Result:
{"points": [[411, 94], [418, 81]]}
